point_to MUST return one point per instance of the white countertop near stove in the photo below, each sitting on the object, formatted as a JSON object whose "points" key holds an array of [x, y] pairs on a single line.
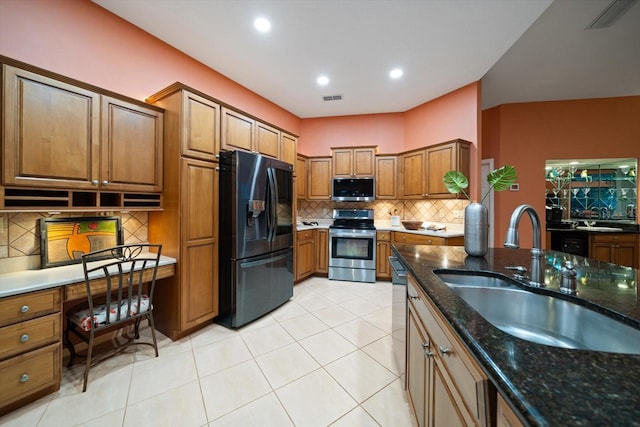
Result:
{"points": [[452, 230]]}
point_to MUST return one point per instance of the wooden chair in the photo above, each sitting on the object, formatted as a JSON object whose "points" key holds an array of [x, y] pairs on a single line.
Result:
{"points": [[126, 276]]}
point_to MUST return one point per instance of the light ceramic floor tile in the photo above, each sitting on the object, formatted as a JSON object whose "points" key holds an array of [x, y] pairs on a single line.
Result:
{"points": [[334, 315], [314, 302], [389, 406], [286, 364], [289, 310], [155, 376], [210, 334], [304, 326], [359, 332], [315, 400], [381, 319], [227, 390], [263, 412], [27, 415], [358, 417], [264, 340], [187, 409], [241, 394], [360, 307], [104, 395], [109, 420], [327, 346], [386, 352], [220, 355], [360, 375]]}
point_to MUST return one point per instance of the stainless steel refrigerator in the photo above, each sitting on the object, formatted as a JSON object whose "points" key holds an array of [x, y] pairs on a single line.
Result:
{"points": [[256, 236]]}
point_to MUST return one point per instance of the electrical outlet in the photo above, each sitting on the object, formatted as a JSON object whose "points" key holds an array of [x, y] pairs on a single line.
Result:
{"points": [[458, 213], [441, 214]]}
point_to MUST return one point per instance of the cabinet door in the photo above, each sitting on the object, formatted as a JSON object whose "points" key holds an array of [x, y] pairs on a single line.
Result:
{"points": [[51, 132], [301, 177], [199, 271], [267, 140], [445, 411], [322, 251], [131, 147], [305, 258], [288, 148], [413, 173], [201, 127], [364, 162], [342, 160], [386, 173], [626, 254], [237, 131], [442, 159], [319, 183], [505, 416], [418, 368], [383, 269]]}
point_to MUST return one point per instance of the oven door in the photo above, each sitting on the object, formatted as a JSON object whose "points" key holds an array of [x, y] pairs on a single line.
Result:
{"points": [[352, 248]]}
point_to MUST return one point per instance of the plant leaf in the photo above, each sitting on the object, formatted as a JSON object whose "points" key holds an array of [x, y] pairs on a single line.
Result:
{"points": [[500, 179], [455, 181]]}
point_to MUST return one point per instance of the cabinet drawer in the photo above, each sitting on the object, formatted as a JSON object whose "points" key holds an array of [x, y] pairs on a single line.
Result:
{"points": [[24, 307], [28, 373], [613, 238], [25, 336], [417, 239], [383, 236], [305, 235]]}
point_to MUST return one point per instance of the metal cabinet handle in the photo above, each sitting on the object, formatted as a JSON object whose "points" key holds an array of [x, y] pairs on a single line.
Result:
{"points": [[94, 182], [24, 338], [414, 296], [426, 348], [445, 351], [105, 182], [24, 378], [24, 309]]}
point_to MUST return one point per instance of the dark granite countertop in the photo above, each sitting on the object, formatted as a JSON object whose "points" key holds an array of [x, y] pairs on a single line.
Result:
{"points": [[546, 385]]}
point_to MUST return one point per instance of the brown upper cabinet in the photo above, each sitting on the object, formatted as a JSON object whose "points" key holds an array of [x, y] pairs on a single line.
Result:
{"points": [[351, 162], [422, 170], [199, 119], [59, 135], [237, 131], [387, 172], [267, 140], [288, 150], [301, 176], [319, 178]]}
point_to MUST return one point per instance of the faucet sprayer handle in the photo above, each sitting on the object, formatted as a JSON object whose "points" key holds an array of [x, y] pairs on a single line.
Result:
{"points": [[568, 283]]}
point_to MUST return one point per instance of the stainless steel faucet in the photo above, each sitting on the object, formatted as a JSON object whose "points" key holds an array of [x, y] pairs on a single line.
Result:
{"points": [[513, 241]]}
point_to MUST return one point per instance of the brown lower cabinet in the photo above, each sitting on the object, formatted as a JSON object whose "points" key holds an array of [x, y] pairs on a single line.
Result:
{"points": [[383, 252], [505, 416], [445, 385], [30, 348], [322, 251], [305, 254], [616, 248], [422, 239]]}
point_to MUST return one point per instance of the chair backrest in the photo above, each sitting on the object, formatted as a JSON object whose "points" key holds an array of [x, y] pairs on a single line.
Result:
{"points": [[126, 271]]}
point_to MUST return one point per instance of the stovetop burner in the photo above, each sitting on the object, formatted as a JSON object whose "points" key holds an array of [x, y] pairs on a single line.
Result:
{"points": [[360, 219]]}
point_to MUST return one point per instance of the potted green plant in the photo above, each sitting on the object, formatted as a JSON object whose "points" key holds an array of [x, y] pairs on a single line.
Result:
{"points": [[476, 217]]}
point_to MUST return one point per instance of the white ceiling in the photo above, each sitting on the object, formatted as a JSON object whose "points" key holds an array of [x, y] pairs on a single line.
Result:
{"points": [[442, 45]]}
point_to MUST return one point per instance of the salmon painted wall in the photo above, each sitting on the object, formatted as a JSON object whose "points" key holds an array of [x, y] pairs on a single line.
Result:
{"points": [[318, 135], [454, 115], [526, 135], [451, 116], [81, 40]]}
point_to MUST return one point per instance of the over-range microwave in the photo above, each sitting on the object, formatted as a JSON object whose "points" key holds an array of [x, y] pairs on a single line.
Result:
{"points": [[353, 189]]}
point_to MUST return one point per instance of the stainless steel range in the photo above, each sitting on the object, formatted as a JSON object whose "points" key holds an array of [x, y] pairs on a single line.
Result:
{"points": [[352, 246]]}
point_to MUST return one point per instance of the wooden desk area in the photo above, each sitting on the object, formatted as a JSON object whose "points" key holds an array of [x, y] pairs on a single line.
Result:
{"points": [[31, 327]]}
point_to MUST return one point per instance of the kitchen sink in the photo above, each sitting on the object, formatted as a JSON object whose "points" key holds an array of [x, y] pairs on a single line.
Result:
{"points": [[542, 319]]}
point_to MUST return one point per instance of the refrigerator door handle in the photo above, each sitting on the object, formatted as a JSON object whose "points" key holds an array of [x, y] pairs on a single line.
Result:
{"points": [[247, 264], [273, 207]]}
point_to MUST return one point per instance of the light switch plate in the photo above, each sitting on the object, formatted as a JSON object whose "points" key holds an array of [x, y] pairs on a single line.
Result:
{"points": [[514, 187]]}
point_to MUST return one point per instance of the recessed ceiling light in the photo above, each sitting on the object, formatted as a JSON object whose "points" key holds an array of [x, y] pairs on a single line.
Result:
{"points": [[322, 80], [396, 73], [262, 24]]}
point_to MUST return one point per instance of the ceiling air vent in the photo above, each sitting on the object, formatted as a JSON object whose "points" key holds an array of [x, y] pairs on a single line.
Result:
{"points": [[611, 14], [332, 98]]}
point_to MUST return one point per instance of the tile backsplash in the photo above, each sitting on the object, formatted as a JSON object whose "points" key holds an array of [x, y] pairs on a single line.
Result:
{"points": [[449, 211], [20, 236]]}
